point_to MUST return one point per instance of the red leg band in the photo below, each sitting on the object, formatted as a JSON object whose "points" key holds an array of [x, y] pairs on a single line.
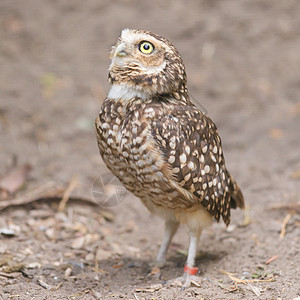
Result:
{"points": [[191, 271]]}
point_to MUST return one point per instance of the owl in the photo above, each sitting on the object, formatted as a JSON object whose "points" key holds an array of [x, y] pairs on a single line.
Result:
{"points": [[161, 147]]}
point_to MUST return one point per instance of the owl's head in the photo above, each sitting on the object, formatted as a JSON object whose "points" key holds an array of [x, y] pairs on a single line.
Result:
{"points": [[148, 63]]}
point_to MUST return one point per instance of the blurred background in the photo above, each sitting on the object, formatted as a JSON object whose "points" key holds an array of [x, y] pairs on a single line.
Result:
{"points": [[242, 61]]}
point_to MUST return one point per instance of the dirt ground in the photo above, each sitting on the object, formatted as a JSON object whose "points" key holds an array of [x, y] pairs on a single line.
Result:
{"points": [[243, 62]]}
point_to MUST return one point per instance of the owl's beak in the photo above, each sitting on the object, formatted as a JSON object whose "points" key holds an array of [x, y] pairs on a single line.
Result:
{"points": [[120, 51]]}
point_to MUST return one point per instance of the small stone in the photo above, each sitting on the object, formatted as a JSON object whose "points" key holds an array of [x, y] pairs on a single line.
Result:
{"points": [[68, 272], [90, 257], [33, 265], [78, 243], [102, 254], [27, 251]]}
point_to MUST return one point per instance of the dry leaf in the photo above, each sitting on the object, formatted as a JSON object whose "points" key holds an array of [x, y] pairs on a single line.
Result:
{"points": [[154, 271], [150, 289], [254, 289], [276, 133], [15, 179], [296, 174]]}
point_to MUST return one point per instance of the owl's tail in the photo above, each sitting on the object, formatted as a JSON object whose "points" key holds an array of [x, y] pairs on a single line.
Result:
{"points": [[237, 198]]}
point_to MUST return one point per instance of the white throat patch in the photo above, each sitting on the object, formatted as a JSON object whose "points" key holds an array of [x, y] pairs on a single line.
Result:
{"points": [[126, 92]]}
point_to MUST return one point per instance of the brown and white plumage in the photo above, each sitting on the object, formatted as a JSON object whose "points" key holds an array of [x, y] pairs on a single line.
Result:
{"points": [[160, 146]]}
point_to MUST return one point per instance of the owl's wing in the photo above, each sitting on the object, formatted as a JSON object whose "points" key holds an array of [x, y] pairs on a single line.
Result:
{"points": [[192, 149]]}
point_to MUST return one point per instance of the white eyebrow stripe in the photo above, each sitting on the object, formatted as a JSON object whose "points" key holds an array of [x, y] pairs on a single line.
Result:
{"points": [[132, 37]]}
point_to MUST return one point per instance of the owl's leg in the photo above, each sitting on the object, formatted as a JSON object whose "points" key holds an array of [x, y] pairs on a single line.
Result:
{"points": [[170, 229], [190, 270]]}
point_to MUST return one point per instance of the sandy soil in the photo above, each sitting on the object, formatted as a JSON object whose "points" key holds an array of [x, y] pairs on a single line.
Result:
{"points": [[243, 62]]}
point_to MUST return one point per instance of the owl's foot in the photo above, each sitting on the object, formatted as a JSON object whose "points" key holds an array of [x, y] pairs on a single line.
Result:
{"points": [[160, 264], [189, 278], [185, 281], [156, 266]]}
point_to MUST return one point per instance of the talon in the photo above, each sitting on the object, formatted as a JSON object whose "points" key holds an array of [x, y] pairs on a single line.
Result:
{"points": [[185, 281]]}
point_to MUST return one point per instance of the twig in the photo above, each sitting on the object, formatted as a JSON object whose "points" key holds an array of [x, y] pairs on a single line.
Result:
{"points": [[271, 259], [229, 289], [56, 287], [10, 275], [245, 281], [284, 224], [292, 207], [247, 219], [255, 239], [49, 192], [226, 273], [66, 196], [44, 284], [41, 282], [80, 293]]}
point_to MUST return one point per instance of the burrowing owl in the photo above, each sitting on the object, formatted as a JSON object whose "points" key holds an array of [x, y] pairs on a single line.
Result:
{"points": [[162, 148]]}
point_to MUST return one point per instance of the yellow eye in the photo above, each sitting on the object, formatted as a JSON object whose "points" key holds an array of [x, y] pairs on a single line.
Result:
{"points": [[146, 47]]}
